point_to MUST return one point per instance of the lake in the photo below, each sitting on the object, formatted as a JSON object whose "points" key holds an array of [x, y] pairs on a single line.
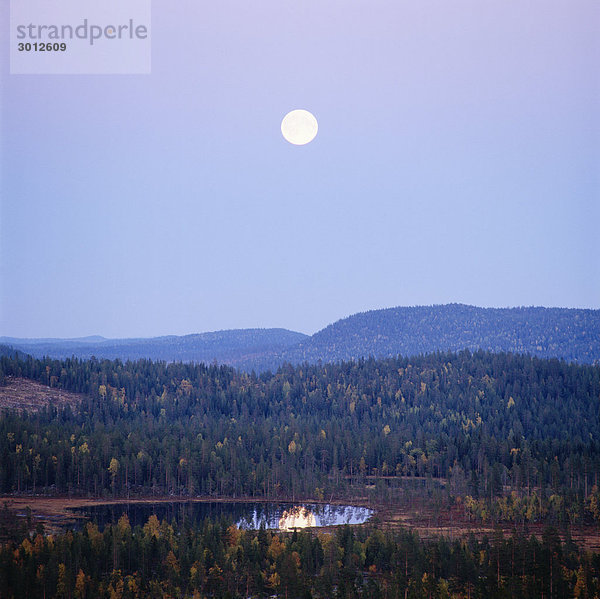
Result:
{"points": [[247, 515]]}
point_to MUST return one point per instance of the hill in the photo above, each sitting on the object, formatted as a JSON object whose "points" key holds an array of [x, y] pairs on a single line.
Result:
{"points": [[228, 347], [571, 334], [191, 428]]}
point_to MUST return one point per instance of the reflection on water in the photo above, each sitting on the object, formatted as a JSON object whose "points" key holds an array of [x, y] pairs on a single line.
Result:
{"points": [[248, 515], [296, 517], [287, 516]]}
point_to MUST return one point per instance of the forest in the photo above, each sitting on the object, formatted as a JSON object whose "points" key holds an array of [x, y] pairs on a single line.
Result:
{"points": [[491, 424], [216, 559], [502, 438], [570, 334]]}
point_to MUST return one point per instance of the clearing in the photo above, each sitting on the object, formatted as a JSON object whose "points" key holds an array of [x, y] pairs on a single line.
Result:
{"points": [[31, 396]]}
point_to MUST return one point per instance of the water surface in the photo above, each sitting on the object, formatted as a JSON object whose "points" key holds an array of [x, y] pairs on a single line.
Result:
{"points": [[247, 515]]}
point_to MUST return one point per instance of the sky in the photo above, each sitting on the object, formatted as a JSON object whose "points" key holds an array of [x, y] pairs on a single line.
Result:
{"points": [[457, 160]]}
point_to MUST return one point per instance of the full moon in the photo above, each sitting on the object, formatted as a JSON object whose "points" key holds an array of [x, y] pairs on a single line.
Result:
{"points": [[299, 127]]}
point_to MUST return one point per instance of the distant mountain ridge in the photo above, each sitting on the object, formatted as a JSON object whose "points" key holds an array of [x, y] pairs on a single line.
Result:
{"points": [[44, 340], [567, 333], [229, 347]]}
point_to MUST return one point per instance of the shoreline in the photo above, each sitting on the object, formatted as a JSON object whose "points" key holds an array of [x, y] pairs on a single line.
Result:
{"points": [[55, 513]]}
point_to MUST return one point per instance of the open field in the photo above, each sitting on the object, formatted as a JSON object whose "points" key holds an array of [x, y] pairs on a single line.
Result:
{"points": [[31, 396]]}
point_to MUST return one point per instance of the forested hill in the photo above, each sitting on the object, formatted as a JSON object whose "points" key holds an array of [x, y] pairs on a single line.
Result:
{"points": [[229, 347], [571, 334], [544, 332], [500, 439], [184, 428]]}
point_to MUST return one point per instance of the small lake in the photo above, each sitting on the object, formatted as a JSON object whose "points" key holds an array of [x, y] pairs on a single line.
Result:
{"points": [[247, 515]]}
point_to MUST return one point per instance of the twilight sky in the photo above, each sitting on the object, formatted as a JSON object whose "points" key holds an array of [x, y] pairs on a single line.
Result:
{"points": [[457, 160]]}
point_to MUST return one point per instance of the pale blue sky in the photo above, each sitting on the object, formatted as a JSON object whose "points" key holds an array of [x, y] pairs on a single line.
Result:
{"points": [[457, 160]]}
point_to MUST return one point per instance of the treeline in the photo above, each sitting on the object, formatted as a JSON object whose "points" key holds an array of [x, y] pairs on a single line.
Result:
{"points": [[486, 424], [215, 559]]}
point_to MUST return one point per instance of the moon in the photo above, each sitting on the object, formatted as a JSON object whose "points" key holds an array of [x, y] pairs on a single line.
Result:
{"points": [[299, 127]]}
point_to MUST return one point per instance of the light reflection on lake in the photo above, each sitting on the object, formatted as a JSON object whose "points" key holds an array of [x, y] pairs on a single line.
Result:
{"points": [[297, 517], [247, 515]]}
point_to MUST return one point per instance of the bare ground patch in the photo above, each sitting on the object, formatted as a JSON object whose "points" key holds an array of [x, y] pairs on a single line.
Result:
{"points": [[30, 396]]}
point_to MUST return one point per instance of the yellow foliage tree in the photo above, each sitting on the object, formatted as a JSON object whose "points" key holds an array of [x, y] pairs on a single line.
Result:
{"points": [[80, 585]]}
